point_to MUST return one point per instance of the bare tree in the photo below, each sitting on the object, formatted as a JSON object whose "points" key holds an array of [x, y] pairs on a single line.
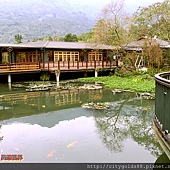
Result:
{"points": [[112, 27]]}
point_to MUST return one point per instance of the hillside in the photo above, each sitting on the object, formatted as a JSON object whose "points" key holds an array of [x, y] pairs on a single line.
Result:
{"points": [[36, 19]]}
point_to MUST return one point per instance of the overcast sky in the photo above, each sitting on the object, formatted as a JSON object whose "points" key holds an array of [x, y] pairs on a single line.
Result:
{"points": [[133, 5]]}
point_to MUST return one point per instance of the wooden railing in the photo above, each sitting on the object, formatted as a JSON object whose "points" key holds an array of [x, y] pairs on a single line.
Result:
{"points": [[19, 66], [162, 105], [76, 65], [60, 65]]}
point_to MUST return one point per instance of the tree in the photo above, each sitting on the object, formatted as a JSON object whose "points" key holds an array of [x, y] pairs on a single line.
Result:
{"points": [[70, 38], [152, 20], [153, 54], [48, 38], [112, 28], [18, 38], [86, 37]]}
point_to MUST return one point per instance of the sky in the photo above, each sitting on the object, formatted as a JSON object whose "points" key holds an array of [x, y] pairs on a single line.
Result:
{"points": [[132, 5]]}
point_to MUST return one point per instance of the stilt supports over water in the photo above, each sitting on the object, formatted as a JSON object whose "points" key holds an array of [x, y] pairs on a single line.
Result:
{"points": [[57, 74], [9, 81], [96, 73], [9, 78]]}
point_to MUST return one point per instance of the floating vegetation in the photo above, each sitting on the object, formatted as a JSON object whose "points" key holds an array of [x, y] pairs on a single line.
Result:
{"points": [[40, 87], [148, 96], [97, 106], [91, 87]]}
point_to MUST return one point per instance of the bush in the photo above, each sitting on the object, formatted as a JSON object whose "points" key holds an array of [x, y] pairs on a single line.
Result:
{"points": [[45, 77]]}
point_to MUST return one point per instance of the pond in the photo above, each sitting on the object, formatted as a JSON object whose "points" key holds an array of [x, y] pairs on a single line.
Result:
{"points": [[51, 126]]}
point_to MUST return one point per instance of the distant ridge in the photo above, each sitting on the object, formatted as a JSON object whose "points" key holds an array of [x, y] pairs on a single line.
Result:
{"points": [[36, 19]]}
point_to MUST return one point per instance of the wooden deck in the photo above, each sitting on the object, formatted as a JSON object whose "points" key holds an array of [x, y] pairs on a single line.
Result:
{"points": [[63, 66], [19, 67]]}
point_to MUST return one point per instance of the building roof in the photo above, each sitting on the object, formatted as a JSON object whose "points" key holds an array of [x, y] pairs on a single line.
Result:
{"points": [[58, 45], [141, 42]]}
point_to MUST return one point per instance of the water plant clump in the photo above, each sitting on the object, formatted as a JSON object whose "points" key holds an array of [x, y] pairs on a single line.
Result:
{"points": [[97, 106], [45, 77]]}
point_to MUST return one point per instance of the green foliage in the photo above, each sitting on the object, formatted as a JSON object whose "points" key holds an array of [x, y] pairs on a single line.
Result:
{"points": [[18, 38], [152, 20], [138, 83], [70, 38], [45, 77], [57, 71], [86, 37]]}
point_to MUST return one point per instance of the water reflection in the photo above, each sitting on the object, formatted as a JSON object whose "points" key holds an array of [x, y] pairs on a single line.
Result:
{"points": [[131, 118], [48, 121], [29, 103]]}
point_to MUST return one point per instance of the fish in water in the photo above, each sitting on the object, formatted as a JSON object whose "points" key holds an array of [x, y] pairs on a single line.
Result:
{"points": [[51, 153], [71, 144]]}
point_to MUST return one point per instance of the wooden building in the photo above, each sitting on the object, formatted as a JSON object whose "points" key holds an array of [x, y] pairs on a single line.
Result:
{"points": [[139, 46], [52, 56]]}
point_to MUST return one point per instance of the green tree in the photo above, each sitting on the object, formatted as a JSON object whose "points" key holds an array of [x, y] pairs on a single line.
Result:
{"points": [[57, 38], [152, 20], [86, 37], [18, 38], [48, 38], [70, 38]]}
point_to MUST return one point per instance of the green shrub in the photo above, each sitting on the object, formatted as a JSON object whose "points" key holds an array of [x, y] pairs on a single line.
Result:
{"points": [[45, 77]]}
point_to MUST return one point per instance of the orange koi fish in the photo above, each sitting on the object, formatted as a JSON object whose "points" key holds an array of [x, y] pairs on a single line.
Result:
{"points": [[51, 153], [71, 144]]}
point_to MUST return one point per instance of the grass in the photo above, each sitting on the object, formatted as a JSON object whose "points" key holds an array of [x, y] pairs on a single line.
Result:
{"points": [[137, 83]]}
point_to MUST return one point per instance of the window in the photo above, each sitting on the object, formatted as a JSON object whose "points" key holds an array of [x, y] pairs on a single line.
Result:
{"points": [[95, 56], [66, 56], [27, 57]]}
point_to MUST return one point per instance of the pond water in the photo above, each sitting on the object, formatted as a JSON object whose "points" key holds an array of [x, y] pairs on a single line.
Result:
{"points": [[51, 126]]}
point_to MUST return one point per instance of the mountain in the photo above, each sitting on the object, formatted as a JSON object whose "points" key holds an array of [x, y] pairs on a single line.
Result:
{"points": [[39, 18]]}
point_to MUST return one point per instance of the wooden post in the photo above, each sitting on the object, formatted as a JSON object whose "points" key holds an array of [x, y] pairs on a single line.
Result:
{"points": [[58, 65], [68, 64], [86, 64], [94, 63], [36, 55], [77, 64]]}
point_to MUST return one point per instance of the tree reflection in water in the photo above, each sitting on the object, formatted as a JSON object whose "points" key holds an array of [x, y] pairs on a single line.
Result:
{"points": [[130, 117]]}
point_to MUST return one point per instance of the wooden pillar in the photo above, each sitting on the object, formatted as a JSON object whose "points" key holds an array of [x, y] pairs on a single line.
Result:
{"points": [[45, 55], [85, 55], [36, 55]]}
